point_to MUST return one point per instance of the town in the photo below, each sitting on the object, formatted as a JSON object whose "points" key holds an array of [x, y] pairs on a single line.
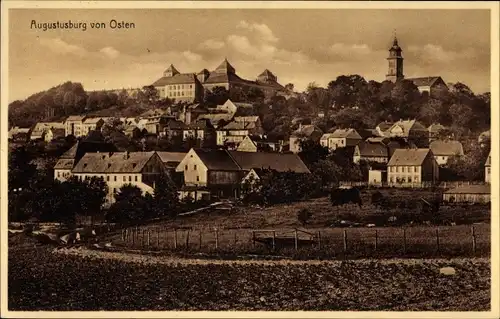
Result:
{"points": [[207, 163]]}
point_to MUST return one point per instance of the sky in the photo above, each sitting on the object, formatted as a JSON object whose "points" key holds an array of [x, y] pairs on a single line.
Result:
{"points": [[298, 46]]}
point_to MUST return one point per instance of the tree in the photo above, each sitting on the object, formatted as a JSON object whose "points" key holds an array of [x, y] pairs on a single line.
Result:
{"points": [[217, 96], [130, 206], [166, 197], [303, 216], [149, 95], [21, 170], [312, 152]]}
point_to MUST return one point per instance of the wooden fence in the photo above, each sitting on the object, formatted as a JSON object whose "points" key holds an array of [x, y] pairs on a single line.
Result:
{"points": [[415, 241], [452, 184]]}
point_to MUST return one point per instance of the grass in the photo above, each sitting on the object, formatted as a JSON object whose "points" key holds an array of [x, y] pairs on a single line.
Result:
{"points": [[41, 280]]}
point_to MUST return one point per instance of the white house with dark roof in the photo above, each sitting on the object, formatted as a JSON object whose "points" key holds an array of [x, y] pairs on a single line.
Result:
{"points": [[40, 128], [74, 125], [443, 150], [181, 87], [371, 152], [141, 169], [341, 138], [406, 129], [487, 169], [428, 83], [468, 194], [409, 167]]}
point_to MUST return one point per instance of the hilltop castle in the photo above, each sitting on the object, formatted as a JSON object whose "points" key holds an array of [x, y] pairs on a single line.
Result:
{"points": [[191, 87]]}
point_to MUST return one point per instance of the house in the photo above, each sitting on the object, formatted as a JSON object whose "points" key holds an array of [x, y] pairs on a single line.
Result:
{"points": [[382, 127], [132, 131], [468, 194], [443, 150], [371, 152], [53, 133], [232, 107], [202, 130], [259, 144], [377, 177], [240, 127], [92, 124], [434, 130], [18, 133], [74, 125], [140, 169], [41, 127], [408, 167], [487, 169], [218, 120], [304, 132], [210, 172], [170, 162], [64, 166], [180, 87], [341, 138], [407, 129], [429, 84]]}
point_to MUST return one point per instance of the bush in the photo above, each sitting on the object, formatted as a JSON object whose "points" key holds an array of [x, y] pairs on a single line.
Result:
{"points": [[303, 216]]}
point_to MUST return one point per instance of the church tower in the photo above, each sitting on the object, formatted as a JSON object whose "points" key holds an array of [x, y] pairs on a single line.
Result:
{"points": [[395, 62]]}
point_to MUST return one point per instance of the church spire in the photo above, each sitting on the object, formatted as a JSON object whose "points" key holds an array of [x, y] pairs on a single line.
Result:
{"points": [[395, 60]]}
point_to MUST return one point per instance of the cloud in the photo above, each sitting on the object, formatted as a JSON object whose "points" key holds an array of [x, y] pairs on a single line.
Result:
{"points": [[57, 45], [212, 44], [349, 49], [439, 54], [110, 52], [262, 30]]}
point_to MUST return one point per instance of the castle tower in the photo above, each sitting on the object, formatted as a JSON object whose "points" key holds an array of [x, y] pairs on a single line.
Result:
{"points": [[395, 59], [171, 71]]}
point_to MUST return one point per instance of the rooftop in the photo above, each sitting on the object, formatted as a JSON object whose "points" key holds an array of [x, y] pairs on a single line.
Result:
{"points": [[408, 157]]}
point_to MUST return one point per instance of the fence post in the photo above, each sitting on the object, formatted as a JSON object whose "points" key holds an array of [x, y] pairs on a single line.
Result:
{"points": [[149, 238], [175, 238], [296, 240], [376, 239], [133, 237], [473, 231], [437, 238], [253, 238], [200, 237], [235, 238], [187, 239], [344, 237], [319, 239], [404, 240], [216, 238], [143, 238], [274, 240], [158, 238], [123, 234]]}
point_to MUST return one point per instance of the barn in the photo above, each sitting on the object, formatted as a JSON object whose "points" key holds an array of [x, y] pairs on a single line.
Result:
{"points": [[468, 194]]}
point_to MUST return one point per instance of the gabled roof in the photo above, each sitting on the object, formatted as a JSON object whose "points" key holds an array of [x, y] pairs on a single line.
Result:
{"points": [[216, 159], [267, 73], [171, 159], [225, 66], [346, 133], [92, 120], [409, 157], [326, 136], [120, 162], [216, 117], [446, 148], [408, 125], [372, 149], [488, 160], [425, 81], [64, 163], [307, 130], [185, 78], [378, 139], [470, 189], [76, 118], [246, 119], [277, 161], [171, 69]]}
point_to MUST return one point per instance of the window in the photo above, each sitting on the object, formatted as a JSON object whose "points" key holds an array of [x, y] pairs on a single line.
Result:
{"points": [[186, 168], [136, 178], [182, 93], [417, 169], [489, 169], [130, 178], [392, 179], [409, 179], [197, 178], [397, 169], [58, 174], [190, 86], [403, 169], [416, 179], [107, 178], [195, 167], [115, 178], [124, 178], [410, 169]]}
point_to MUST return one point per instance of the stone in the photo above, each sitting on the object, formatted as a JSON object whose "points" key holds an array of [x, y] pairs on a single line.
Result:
{"points": [[449, 271]]}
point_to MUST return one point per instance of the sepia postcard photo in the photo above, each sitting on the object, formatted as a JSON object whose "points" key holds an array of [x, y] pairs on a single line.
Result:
{"points": [[249, 159]]}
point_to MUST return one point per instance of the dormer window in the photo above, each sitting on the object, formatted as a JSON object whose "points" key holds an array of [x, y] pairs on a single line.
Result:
{"points": [[85, 165]]}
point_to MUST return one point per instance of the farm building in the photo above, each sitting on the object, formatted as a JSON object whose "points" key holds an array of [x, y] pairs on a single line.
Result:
{"points": [[410, 167], [209, 172], [373, 152], [443, 150], [341, 138], [468, 194]]}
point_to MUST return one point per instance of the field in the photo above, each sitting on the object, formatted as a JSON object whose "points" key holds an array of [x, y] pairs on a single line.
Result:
{"points": [[89, 280]]}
